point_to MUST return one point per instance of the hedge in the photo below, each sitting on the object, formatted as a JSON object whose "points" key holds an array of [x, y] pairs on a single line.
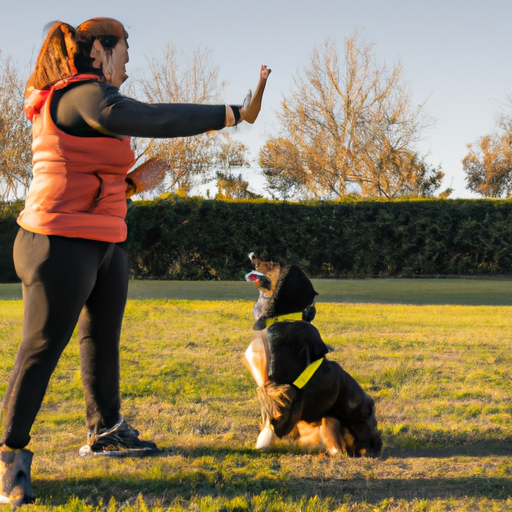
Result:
{"points": [[195, 238], [8, 230]]}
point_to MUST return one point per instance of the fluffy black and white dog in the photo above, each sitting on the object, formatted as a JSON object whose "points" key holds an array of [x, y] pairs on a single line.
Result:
{"points": [[302, 394]]}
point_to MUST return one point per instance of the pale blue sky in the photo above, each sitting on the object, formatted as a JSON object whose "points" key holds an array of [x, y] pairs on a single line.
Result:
{"points": [[456, 53]]}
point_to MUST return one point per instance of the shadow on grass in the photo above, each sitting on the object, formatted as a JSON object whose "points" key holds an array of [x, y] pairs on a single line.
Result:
{"points": [[205, 473], [476, 448], [447, 446], [165, 490]]}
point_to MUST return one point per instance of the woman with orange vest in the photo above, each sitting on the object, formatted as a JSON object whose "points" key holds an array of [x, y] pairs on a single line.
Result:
{"points": [[66, 251]]}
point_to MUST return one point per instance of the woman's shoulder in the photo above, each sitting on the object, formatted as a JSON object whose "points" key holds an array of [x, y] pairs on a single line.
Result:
{"points": [[87, 91], [81, 104]]}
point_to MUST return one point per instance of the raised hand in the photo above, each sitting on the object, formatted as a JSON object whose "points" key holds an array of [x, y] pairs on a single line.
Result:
{"points": [[252, 103], [250, 112]]}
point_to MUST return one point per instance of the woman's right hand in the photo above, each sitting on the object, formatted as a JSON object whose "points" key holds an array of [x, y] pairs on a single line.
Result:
{"points": [[146, 176]]}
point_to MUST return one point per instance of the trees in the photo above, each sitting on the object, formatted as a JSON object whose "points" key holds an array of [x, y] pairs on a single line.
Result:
{"points": [[231, 156], [233, 187], [488, 164], [176, 78], [348, 128], [15, 134]]}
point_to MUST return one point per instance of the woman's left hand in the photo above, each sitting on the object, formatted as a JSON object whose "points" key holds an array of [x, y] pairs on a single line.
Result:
{"points": [[252, 104], [265, 72]]}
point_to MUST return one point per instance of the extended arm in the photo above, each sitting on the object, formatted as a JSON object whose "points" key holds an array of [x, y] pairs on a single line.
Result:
{"points": [[91, 107], [86, 108]]}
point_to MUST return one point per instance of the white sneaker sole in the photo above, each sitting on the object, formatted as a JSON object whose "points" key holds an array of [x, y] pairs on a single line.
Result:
{"points": [[86, 451]]}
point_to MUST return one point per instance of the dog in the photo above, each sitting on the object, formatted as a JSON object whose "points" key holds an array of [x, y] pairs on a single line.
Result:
{"points": [[303, 396]]}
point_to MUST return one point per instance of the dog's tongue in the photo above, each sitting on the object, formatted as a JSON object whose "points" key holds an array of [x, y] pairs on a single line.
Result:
{"points": [[254, 277]]}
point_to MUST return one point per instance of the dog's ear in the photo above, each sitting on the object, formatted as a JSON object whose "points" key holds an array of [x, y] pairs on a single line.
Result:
{"points": [[357, 409], [362, 409], [254, 258], [293, 293], [260, 324]]}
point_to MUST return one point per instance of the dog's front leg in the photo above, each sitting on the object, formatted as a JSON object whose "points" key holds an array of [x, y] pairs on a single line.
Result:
{"points": [[265, 437]]}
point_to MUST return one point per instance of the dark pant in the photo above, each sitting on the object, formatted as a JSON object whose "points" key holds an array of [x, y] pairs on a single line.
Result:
{"points": [[65, 281]]}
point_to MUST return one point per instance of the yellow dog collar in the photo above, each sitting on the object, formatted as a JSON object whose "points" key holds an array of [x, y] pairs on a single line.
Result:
{"points": [[304, 377], [291, 317]]}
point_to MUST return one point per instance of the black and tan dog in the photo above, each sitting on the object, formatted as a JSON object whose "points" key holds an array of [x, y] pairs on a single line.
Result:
{"points": [[302, 394]]}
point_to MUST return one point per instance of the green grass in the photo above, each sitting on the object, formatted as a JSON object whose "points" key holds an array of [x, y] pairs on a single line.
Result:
{"points": [[463, 291], [440, 375]]}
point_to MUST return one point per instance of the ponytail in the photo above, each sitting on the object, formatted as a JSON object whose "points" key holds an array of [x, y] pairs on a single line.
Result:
{"points": [[56, 59]]}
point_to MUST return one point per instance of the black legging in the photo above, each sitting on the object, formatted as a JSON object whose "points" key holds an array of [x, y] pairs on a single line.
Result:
{"points": [[61, 278]]}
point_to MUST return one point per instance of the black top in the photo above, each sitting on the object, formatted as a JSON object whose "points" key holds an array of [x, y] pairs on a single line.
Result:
{"points": [[96, 109]]}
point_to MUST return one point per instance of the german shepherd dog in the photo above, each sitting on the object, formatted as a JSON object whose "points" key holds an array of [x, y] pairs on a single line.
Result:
{"points": [[303, 396]]}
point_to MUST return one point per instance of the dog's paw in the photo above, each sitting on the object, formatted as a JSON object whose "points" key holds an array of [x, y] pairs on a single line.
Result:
{"points": [[265, 438]]}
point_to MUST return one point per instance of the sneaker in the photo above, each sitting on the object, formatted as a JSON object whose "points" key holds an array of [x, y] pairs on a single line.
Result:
{"points": [[15, 483], [121, 439]]}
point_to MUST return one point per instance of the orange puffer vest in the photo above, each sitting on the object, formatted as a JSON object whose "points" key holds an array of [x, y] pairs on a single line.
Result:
{"points": [[78, 188]]}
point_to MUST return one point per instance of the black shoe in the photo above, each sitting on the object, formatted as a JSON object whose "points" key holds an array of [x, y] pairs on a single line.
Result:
{"points": [[121, 439]]}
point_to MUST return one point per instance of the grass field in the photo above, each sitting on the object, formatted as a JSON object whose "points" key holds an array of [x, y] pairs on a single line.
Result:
{"points": [[436, 357], [484, 292]]}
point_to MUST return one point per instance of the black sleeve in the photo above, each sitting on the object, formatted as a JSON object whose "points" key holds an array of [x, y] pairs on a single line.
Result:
{"points": [[92, 109]]}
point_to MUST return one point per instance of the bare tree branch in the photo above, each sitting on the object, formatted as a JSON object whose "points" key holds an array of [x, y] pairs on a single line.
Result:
{"points": [[348, 127], [488, 164], [175, 77], [15, 134]]}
